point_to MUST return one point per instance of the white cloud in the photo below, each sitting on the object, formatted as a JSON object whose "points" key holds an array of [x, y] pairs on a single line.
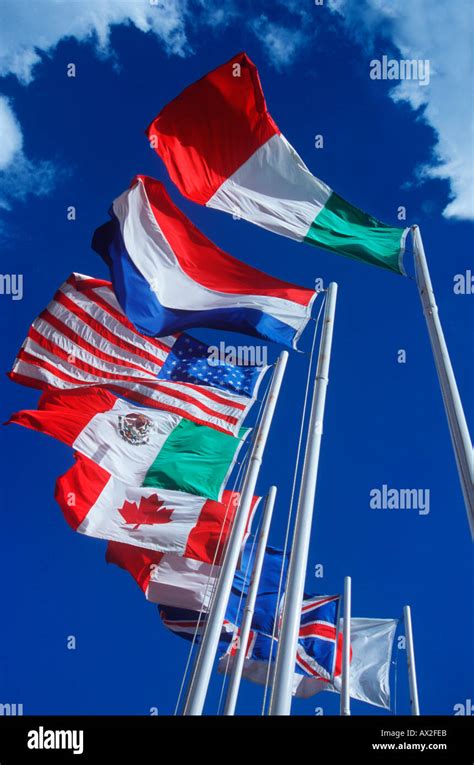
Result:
{"points": [[10, 130], [441, 32], [281, 43], [19, 176], [215, 13], [430, 29], [29, 29], [26, 177], [32, 30]]}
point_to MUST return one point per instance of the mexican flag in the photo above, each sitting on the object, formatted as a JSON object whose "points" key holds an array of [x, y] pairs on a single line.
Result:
{"points": [[141, 447], [223, 149], [98, 504]]}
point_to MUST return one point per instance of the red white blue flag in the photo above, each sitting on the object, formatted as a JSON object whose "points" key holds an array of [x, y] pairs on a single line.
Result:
{"points": [[316, 656], [169, 277], [83, 339]]}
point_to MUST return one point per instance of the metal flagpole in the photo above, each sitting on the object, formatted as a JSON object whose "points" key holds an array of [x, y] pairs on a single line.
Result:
{"points": [[239, 657], [280, 703], [414, 703], [208, 648], [346, 649], [449, 389]]}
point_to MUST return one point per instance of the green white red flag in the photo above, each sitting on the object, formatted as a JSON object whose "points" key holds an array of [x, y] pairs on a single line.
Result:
{"points": [[141, 447], [222, 149]]}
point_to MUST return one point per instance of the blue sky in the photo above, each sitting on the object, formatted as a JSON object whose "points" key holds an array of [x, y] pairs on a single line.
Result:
{"points": [[78, 141]]}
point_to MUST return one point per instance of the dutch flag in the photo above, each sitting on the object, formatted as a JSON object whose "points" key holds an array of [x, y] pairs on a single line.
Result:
{"points": [[169, 277]]}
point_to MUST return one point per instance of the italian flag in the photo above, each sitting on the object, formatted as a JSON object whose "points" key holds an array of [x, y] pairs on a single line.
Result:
{"points": [[98, 504], [140, 447], [223, 149]]}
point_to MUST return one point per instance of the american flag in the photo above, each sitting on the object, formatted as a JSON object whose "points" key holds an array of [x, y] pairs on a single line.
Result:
{"points": [[83, 338]]}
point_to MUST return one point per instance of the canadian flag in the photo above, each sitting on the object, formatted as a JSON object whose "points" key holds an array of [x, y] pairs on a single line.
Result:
{"points": [[96, 503]]}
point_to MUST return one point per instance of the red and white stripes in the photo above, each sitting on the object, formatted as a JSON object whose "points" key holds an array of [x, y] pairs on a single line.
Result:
{"points": [[83, 338]]}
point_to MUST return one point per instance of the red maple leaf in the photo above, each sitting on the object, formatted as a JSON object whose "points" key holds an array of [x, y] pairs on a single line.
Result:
{"points": [[149, 512]]}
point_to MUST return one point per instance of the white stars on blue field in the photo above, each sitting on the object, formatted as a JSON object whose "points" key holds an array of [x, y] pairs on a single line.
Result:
{"points": [[188, 361]]}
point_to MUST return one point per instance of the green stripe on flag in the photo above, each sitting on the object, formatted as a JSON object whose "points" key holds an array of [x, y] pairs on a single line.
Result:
{"points": [[342, 228], [195, 459]]}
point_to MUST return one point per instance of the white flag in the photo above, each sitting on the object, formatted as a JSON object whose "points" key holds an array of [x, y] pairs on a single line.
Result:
{"points": [[371, 644]]}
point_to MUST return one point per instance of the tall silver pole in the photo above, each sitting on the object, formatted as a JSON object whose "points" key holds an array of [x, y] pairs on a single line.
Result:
{"points": [[449, 389], [280, 703], [208, 648], [239, 657], [346, 649], [414, 703]]}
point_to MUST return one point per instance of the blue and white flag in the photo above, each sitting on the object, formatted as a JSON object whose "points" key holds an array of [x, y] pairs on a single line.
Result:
{"points": [[267, 604]]}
